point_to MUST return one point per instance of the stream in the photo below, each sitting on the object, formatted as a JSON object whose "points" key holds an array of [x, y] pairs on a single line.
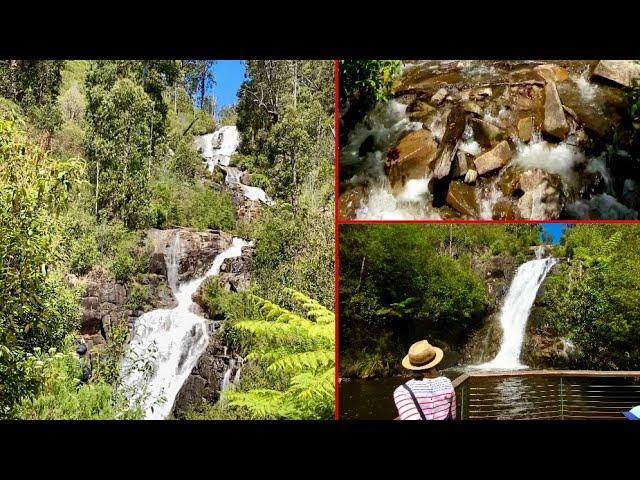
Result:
{"points": [[487, 140]]}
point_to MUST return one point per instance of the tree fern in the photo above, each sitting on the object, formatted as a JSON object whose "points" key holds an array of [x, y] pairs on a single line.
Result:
{"points": [[299, 346]]}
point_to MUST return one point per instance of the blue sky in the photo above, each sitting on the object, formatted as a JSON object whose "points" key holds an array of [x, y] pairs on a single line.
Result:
{"points": [[555, 230], [229, 76]]}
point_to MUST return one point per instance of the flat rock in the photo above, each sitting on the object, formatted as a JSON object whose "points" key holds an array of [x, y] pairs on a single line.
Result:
{"points": [[552, 73], [622, 72], [485, 133], [410, 158], [472, 107], [555, 123], [494, 159], [462, 198]]}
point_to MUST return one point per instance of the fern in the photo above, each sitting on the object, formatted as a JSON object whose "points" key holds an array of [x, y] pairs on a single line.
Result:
{"points": [[298, 346]]}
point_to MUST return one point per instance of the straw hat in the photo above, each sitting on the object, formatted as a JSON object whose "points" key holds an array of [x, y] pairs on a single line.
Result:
{"points": [[422, 356]]}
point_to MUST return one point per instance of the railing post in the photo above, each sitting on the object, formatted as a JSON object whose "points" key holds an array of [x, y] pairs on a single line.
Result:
{"points": [[561, 399]]}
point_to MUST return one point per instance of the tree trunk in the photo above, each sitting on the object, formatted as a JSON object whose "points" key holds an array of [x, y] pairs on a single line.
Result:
{"points": [[97, 184]]}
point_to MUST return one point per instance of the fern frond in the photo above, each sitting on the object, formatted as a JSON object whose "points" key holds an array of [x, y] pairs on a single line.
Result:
{"points": [[297, 362]]}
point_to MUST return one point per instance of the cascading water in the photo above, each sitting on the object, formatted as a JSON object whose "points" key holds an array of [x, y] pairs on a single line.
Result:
{"points": [[216, 149], [515, 311], [166, 344]]}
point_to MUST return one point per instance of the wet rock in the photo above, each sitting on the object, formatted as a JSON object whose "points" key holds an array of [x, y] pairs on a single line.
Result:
{"points": [[555, 123], [456, 122], [410, 159], [157, 264], [622, 72], [350, 201], [494, 159], [196, 251], [525, 128], [542, 198], [462, 198], [485, 133], [439, 96], [471, 176], [464, 162], [552, 73], [420, 111], [504, 209], [473, 107], [81, 347]]}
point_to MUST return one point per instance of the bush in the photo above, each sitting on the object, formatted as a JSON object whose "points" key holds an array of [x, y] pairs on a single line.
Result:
{"points": [[130, 258], [138, 297], [186, 162], [83, 255], [260, 181]]}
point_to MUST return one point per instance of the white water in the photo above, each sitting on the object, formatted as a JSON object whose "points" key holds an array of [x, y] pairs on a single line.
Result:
{"points": [[515, 312], [166, 344], [216, 149]]}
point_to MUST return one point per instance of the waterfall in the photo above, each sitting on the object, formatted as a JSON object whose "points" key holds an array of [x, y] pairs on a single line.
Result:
{"points": [[515, 311], [216, 149], [166, 344]]}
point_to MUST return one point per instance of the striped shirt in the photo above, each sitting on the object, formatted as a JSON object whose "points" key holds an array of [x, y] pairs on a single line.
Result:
{"points": [[436, 396]]}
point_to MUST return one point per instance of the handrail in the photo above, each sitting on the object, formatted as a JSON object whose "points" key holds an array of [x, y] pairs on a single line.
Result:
{"points": [[553, 373]]}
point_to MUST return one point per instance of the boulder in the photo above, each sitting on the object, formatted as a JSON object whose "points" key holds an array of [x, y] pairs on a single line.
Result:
{"points": [[410, 158], [504, 209], [555, 123], [543, 196], [485, 133], [420, 111], [525, 128], [462, 198], [622, 72], [463, 163], [439, 96], [494, 159], [471, 176], [472, 107], [456, 122], [552, 73]]}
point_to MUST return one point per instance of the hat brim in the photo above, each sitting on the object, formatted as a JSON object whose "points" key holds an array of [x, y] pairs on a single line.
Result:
{"points": [[437, 359], [630, 416]]}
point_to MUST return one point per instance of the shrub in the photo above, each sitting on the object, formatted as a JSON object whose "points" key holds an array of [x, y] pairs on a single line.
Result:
{"points": [[83, 255], [138, 297]]}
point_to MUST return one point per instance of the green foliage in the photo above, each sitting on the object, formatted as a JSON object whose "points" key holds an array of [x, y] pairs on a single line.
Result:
{"points": [[60, 396], [83, 255], [594, 298], [176, 202], [369, 80], [138, 297], [186, 162], [298, 347], [37, 307], [260, 181], [633, 101], [130, 258]]}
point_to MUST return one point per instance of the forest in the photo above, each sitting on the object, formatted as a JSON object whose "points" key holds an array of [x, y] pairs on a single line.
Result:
{"points": [[446, 283], [94, 157]]}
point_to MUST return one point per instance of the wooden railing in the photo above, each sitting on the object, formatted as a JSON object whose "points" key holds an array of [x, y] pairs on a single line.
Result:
{"points": [[546, 394]]}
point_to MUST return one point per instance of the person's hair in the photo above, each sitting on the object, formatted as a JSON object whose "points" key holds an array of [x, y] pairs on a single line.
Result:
{"points": [[418, 374]]}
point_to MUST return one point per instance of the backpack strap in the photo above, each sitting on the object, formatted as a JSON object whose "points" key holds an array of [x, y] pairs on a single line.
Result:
{"points": [[415, 401]]}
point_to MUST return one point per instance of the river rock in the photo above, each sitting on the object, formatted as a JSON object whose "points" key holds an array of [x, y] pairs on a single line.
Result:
{"points": [[485, 133], [439, 96], [525, 128], [555, 123], [552, 73], [622, 72], [420, 111], [471, 176], [473, 107], [504, 209], [462, 198], [349, 201], [456, 122], [494, 159], [543, 196], [410, 158]]}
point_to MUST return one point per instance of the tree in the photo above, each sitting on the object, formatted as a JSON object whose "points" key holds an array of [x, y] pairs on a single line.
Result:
{"points": [[38, 309], [120, 118], [198, 77]]}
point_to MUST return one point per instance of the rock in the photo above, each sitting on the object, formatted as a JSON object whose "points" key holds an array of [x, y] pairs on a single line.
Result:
{"points": [[462, 198], [542, 198], [439, 96], [525, 128], [157, 264], [463, 163], [410, 158], [456, 122], [205, 380], [504, 209], [471, 176], [555, 123], [552, 73], [419, 111], [473, 107], [86, 373], [494, 159], [245, 178], [350, 200], [485, 133], [81, 347], [622, 72]]}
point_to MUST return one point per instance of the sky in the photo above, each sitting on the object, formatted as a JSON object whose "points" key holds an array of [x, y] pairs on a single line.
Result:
{"points": [[229, 75], [555, 230]]}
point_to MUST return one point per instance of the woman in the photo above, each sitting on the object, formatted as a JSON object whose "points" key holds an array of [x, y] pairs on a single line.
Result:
{"points": [[427, 396]]}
